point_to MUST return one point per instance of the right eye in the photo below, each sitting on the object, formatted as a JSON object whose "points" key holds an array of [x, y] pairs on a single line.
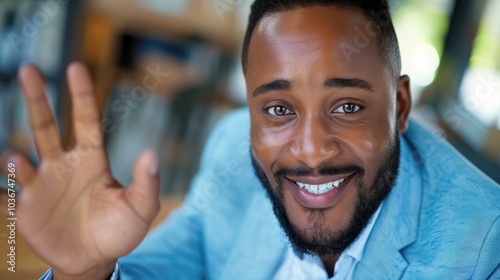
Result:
{"points": [[279, 111]]}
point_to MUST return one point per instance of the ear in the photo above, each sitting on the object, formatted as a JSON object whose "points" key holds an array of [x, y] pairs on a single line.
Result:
{"points": [[403, 102]]}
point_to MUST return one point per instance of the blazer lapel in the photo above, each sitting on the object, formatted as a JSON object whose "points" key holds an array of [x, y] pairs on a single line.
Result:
{"points": [[261, 244], [397, 224]]}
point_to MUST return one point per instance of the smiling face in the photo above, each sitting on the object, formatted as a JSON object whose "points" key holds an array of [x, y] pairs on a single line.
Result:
{"points": [[324, 127]]}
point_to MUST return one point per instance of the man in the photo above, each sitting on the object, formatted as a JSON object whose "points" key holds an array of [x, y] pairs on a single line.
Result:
{"points": [[334, 182]]}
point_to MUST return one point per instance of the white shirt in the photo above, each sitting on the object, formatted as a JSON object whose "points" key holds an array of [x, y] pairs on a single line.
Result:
{"points": [[311, 267]]}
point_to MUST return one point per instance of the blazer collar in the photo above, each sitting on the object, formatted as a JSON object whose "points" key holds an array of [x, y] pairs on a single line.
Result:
{"points": [[397, 225]]}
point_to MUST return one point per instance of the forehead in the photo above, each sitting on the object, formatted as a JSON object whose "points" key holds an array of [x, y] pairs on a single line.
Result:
{"points": [[315, 20], [326, 39]]}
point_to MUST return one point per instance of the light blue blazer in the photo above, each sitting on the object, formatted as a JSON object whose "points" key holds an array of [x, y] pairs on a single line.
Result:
{"points": [[441, 220]]}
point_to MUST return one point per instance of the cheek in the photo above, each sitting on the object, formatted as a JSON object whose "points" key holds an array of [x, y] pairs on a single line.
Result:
{"points": [[270, 143], [372, 146], [375, 137]]}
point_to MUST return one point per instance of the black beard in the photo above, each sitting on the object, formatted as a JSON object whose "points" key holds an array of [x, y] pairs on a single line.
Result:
{"points": [[316, 239]]}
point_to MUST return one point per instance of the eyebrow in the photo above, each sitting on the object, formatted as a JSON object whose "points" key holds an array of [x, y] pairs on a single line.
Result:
{"points": [[348, 83], [285, 85], [278, 85]]}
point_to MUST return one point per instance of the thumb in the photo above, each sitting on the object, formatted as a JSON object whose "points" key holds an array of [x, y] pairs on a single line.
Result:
{"points": [[143, 194]]}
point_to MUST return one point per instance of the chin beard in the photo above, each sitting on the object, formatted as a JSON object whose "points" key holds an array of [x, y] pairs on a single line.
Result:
{"points": [[316, 238]]}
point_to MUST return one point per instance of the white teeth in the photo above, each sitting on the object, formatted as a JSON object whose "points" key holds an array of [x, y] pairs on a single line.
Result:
{"points": [[314, 189], [320, 189], [338, 182]]}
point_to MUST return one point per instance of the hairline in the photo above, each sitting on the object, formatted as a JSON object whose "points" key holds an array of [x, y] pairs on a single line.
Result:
{"points": [[385, 53]]}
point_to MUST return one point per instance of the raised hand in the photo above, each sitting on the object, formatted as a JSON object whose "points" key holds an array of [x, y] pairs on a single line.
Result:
{"points": [[71, 211]]}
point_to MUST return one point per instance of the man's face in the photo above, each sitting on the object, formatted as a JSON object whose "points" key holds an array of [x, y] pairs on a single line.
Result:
{"points": [[324, 126]]}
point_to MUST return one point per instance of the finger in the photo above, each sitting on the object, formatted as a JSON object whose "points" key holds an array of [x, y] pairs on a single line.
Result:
{"points": [[45, 131], [85, 110], [144, 192]]}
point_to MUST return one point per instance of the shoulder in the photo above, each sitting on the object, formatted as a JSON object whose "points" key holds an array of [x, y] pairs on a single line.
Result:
{"points": [[230, 139], [446, 172], [460, 209]]}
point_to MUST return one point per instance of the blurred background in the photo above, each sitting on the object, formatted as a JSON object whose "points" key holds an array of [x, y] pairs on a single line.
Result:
{"points": [[166, 70]]}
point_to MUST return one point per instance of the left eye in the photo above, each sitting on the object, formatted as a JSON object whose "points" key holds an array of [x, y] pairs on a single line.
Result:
{"points": [[278, 111], [348, 108]]}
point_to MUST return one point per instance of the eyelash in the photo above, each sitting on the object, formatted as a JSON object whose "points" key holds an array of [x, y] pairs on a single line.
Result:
{"points": [[290, 112]]}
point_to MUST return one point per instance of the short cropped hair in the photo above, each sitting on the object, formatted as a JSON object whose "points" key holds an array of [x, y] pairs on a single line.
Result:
{"points": [[376, 11]]}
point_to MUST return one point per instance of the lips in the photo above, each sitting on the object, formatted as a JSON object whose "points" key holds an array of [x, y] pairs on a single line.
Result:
{"points": [[319, 192]]}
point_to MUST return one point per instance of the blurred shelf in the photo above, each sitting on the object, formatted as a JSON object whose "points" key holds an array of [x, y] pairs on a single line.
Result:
{"points": [[197, 19]]}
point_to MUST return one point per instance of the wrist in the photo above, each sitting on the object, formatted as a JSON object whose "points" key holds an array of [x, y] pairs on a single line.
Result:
{"points": [[99, 272]]}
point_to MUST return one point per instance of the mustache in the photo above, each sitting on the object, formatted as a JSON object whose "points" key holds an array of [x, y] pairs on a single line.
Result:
{"points": [[326, 170]]}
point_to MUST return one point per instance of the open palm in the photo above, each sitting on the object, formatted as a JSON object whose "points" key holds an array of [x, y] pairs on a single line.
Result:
{"points": [[71, 211]]}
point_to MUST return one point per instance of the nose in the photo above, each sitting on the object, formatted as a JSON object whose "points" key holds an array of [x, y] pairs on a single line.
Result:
{"points": [[314, 143]]}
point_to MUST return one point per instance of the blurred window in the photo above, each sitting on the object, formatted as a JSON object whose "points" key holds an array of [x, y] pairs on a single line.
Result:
{"points": [[480, 90], [421, 27]]}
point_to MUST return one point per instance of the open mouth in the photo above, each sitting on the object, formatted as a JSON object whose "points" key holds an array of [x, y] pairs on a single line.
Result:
{"points": [[319, 192], [322, 188]]}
